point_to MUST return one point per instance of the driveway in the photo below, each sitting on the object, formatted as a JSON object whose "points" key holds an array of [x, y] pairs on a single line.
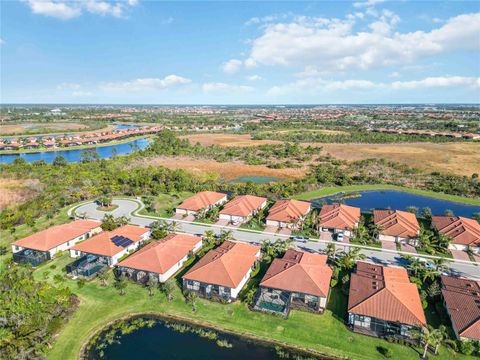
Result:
{"points": [[386, 257], [408, 248], [271, 229], [460, 255], [389, 245], [222, 222], [285, 231]]}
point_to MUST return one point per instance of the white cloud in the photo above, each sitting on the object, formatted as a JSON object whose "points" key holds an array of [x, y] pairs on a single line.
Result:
{"points": [[231, 66], [145, 84], [68, 86], [440, 81], [64, 9], [58, 9], [368, 3], [222, 88], [2, 42], [321, 85], [394, 74], [250, 63], [82, 94], [332, 45], [254, 77]]}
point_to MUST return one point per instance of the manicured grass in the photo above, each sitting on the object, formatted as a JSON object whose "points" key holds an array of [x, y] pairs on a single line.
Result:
{"points": [[332, 190], [107, 208], [164, 204], [324, 333]]}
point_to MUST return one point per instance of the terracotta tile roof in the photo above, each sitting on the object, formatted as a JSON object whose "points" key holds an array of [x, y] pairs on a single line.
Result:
{"points": [[226, 265], [201, 200], [109, 243], [396, 223], [385, 293], [243, 205], [462, 230], [301, 272], [462, 298], [339, 216], [56, 235], [159, 256], [288, 210]]}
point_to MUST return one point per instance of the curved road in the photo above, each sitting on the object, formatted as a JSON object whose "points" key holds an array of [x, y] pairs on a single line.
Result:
{"points": [[130, 208]]}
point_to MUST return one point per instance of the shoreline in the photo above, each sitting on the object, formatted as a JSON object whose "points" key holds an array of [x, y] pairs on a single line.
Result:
{"points": [[206, 325], [335, 190], [81, 147]]}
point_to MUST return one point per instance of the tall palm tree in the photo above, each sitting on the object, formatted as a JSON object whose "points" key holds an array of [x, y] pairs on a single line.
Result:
{"points": [[226, 235], [209, 238], [173, 226], [429, 336], [348, 259]]}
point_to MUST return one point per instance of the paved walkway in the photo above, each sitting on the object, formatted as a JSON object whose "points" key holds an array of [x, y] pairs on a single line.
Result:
{"points": [[129, 209], [408, 248]]}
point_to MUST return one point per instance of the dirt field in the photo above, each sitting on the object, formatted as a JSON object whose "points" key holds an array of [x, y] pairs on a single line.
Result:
{"points": [[12, 129], [242, 140], [320, 131], [14, 192], [226, 171], [457, 158]]}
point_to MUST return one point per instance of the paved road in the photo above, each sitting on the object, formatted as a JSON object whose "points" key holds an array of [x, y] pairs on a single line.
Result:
{"points": [[129, 208]]}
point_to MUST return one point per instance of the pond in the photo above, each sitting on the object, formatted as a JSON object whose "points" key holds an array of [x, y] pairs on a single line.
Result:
{"points": [[255, 179], [73, 155], [398, 200], [167, 340], [125, 126]]}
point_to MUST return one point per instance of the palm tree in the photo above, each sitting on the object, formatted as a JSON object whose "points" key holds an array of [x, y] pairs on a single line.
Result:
{"points": [[331, 252], [168, 287], [103, 276], [430, 336], [191, 297], [226, 235], [209, 238], [121, 284], [173, 227], [150, 285], [348, 259]]}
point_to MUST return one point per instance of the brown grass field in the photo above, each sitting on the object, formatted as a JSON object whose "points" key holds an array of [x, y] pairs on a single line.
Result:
{"points": [[206, 168], [14, 192], [460, 158], [12, 129], [240, 140]]}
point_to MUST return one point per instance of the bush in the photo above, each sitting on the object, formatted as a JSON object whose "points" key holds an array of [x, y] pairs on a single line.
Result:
{"points": [[465, 347], [386, 352]]}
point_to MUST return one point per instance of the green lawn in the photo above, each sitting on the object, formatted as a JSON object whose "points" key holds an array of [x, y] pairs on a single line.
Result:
{"points": [[332, 190], [324, 333], [164, 204]]}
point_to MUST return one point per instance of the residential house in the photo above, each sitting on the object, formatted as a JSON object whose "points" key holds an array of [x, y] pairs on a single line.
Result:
{"points": [[339, 218], [462, 301], [202, 201], [242, 208], [223, 271], [463, 232], [383, 302], [160, 259], [105, 249], [297, 280], [288, 214], [43, 245], [396, 225]]}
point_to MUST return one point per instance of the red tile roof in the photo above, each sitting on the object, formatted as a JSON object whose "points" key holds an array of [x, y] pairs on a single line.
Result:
{"points": [[396, 223], [288, 210], [462, 298], [461, 230], [301, 272], [161, 255], [226, 265], [385, 293], [339, 216], [56, 235], [201, 200], [104, 243], [243, 205]]}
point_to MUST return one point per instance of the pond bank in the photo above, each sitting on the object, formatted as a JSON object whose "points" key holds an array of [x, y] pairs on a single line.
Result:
{"points": [[334, 190], [165, 320]]}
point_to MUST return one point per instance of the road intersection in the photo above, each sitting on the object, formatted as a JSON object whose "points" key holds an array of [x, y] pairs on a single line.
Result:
{"points": [[131, 208]]}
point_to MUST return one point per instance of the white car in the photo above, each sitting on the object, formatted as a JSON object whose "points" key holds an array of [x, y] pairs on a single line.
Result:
{"points": [[302, 239], [340, 237]]}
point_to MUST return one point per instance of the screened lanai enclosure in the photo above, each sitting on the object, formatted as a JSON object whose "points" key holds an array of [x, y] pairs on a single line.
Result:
{"points": [[87, 266], [30, 256]]}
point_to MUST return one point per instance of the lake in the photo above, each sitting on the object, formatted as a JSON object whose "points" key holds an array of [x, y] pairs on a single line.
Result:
{"points": [[125, 126], [73, 155], [398, 200], [163, 342]]}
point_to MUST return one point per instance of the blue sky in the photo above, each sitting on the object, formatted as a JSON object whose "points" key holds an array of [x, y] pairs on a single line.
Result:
{"points": [[134, 51]]}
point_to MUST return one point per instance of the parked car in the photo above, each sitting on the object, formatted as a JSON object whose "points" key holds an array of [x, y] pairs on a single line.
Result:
{"points": [[340, 237], [235, 222], [303, 239]]}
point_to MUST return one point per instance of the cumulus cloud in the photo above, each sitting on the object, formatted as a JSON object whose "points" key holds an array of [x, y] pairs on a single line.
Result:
{"points": [[439, 81], [332, 44], [231, 66], [145, 84], [254, 77], [321, 85], [65, 10], [223, 88]]}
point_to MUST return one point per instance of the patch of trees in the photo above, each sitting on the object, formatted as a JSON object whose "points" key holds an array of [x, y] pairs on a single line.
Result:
{"points": [[31, 312]]}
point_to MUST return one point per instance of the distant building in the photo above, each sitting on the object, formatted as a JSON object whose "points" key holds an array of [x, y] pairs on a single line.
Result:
{"points": [[338, 218], [201, 201], [396, 225], [463, 232], [288, 213]]}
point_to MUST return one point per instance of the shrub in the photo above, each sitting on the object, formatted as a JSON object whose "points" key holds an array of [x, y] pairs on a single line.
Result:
{"points": [[386, 352]]}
